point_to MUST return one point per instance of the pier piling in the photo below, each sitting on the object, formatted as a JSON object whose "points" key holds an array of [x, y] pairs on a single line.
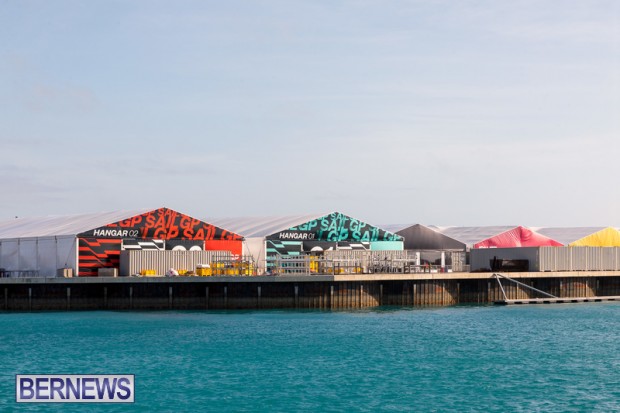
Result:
{"points": [[258, 292]]}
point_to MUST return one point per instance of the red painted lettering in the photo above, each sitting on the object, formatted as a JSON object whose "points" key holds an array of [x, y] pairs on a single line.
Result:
{"points": [[173, 232], [161, 222], [125, 223], [150, 220], [136, 220], [159, 233], [185, 222]]}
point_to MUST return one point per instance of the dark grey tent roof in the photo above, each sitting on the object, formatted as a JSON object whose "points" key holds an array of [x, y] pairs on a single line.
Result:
{"points": [[419, 237]]}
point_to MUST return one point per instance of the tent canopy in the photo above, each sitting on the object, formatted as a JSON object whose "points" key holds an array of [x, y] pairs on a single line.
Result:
{"points": [[472, 235], [420, 237], [517, 237], [57, 225], [260, 227], [331, 227], [162, 223], [566, 235], [607, 237]]}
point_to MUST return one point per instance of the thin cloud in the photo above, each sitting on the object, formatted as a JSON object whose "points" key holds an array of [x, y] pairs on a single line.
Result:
{"points": [[52, 98]]}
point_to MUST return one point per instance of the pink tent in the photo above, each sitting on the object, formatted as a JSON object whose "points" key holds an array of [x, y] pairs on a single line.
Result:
{"points": [[518, 237]]}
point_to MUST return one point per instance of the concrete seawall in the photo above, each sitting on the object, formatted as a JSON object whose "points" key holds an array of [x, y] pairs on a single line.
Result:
{"points": [[302, 292]]}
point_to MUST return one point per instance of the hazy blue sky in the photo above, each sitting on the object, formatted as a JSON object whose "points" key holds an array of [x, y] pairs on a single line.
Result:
{"points": [[433, 112]]}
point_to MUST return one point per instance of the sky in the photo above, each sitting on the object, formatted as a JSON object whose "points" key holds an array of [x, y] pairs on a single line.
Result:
{"points": [[476, 112]]}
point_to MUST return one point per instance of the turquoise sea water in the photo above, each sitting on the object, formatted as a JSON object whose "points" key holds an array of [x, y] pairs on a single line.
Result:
{"points": [[465, 359]]}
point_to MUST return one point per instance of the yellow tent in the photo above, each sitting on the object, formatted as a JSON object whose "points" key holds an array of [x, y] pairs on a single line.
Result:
{"points": [[608, 237]]}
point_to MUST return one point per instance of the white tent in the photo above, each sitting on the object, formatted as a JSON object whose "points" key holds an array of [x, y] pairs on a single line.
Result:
{"points": [[471, 235], [45, 244], [568, 234], [255, 229], [267, 237]]}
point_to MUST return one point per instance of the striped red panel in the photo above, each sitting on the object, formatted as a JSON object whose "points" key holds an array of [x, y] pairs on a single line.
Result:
{"points": [[94, 253]]}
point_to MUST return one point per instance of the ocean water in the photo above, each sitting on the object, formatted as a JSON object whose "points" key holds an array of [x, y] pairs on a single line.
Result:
{"points": [[562, 358]]}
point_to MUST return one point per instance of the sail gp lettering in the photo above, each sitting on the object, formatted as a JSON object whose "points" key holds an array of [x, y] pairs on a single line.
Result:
{"points": [[339, 227], [336, 227], [162, 223]]}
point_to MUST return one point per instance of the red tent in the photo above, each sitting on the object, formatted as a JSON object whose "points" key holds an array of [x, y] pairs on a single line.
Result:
{"points": [[518, 237]]}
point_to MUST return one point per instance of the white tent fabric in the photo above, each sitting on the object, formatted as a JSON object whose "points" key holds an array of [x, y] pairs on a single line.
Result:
{"points": [[569, 234], [253, 227], [28, 254], [257, 227], [45, 244], [471, 235], [394, 228], [42, 254], [57, 225], [9, 255]]}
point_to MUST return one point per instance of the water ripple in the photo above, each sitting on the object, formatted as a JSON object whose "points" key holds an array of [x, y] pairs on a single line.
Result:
{"points": [[462, 359]]}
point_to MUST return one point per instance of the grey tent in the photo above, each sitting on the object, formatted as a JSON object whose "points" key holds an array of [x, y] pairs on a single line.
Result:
{"points": [[420, 237]]}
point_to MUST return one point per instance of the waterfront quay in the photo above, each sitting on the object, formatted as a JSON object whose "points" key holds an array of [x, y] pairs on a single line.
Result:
{"points": [[350, 291]]}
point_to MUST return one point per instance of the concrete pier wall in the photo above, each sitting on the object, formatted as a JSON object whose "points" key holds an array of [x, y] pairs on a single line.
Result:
{"points": [[301, 292]]}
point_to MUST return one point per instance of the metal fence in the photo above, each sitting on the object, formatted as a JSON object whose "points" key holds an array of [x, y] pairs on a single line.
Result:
{"points": [[357, 262], [241, 266], [551, 258], [221, 263], [18, 273], [151, 262], [579, 258]]}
